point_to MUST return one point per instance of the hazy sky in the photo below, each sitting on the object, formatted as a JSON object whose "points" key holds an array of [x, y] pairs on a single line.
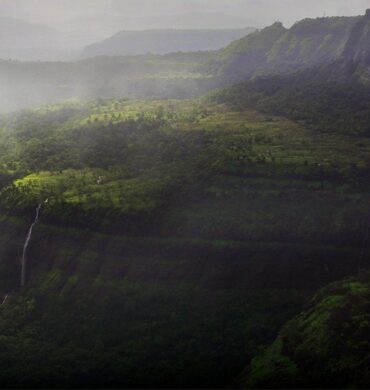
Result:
{"points": [[111, 15]]}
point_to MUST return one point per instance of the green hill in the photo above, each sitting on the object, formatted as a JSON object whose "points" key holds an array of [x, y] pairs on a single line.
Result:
{"points": [[326, 346]]}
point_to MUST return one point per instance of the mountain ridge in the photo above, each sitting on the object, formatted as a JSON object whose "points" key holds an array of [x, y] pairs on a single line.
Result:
{"points": [[277, 50], [164, 41], [274, 50]]}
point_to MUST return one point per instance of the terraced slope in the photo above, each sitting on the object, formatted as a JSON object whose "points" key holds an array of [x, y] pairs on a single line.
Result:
{"points": [[178, 236]]}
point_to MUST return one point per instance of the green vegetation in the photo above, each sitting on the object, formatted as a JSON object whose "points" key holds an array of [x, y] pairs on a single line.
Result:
{"points": [[325, 346], [164, 168], [178, 236], [340, 106], [315, 73]]}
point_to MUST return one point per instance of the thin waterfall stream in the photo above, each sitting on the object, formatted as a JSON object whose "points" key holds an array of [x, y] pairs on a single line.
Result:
{"points": [[5, 299], [25, 246]]}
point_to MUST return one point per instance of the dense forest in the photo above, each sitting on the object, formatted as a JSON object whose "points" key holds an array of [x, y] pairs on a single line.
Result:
{"points": [[191, 220], [311, 97]]}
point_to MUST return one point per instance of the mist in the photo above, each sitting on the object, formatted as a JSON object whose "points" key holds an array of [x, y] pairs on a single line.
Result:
{"points": [[60, 29], [71, 31]]}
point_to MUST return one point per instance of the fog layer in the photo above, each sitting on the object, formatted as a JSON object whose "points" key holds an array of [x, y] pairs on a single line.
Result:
{"points": [[108, 16]]}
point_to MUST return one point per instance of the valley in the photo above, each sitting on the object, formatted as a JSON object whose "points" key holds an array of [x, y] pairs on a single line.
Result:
{"points": [[168, 213]]}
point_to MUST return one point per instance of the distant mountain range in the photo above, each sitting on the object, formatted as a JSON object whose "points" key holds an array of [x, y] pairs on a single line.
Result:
{"points": [[335, 48], [164, 41]]}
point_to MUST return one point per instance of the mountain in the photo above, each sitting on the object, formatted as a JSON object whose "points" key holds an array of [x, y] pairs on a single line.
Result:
{"points": [[332, 94], [276, 50], [336, 48], [326, 346], [164, 41]]}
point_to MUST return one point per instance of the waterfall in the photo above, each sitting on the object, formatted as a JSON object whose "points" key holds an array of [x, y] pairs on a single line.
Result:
{"points": [[25, 246], [5, 299]]}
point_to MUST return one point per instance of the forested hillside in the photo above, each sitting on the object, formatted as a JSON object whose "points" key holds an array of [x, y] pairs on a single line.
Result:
{"points": [[315, 97], [204, 226]]}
